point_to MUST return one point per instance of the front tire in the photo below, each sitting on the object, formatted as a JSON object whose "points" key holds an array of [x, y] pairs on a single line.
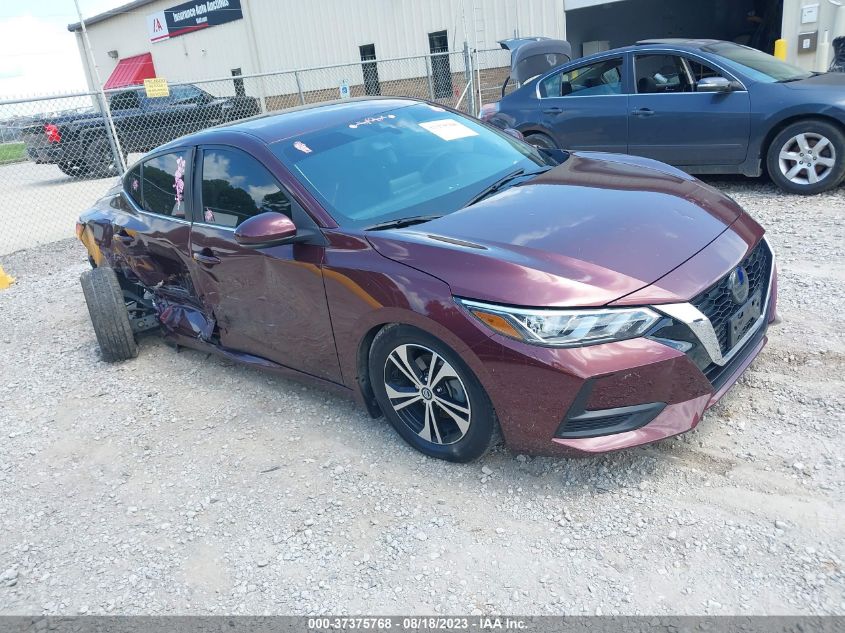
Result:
{"points": [[430, 395], [807, 157], [108, 314]]}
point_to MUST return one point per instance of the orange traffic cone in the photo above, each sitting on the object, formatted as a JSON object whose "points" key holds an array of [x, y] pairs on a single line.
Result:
{"points": [[5, 280]]}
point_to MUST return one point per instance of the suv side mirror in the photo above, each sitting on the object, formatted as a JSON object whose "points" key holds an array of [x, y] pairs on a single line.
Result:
{"points": [[714, 84], [266, 229]]}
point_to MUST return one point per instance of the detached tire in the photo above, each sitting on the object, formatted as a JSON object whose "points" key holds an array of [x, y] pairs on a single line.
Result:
{"points": [[430, 395], [807, 157], [108, 314]]}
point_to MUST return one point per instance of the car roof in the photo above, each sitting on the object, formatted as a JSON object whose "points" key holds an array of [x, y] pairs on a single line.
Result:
{"points": [[682, 44], [283, 124]]}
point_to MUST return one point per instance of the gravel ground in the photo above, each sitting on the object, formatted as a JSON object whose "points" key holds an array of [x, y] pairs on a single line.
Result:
{"points": [[179, 483]]}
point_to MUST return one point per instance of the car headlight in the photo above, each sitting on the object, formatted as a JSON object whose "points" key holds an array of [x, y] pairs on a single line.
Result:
{"points": [[563, 328]]}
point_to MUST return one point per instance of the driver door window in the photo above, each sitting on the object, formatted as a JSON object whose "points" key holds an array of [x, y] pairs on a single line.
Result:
{"points": [[236, 187], [701, 71], [659, 74], [601, 78]]}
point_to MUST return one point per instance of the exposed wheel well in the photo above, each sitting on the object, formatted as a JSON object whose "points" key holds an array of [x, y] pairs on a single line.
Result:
{"points": [[767, 142], [363, 367]]}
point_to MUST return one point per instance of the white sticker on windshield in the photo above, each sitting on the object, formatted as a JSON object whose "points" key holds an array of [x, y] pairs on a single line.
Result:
{"points": [[448, 129]]}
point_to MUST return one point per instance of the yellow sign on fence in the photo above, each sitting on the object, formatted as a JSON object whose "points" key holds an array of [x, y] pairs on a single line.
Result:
{"points": [[156, 87]]}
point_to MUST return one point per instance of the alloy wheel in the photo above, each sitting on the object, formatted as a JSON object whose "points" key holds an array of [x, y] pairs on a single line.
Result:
{"points": [[427, 394], [807, 158]]}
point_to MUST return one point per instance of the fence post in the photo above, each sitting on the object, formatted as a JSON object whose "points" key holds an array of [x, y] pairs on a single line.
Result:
{"points": [[105, 110], [111, 132], [471, 109], [299, 87], [428, 77]]}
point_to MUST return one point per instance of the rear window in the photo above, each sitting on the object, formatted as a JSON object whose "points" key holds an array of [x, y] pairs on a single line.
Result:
{"points": [[158, 185]]}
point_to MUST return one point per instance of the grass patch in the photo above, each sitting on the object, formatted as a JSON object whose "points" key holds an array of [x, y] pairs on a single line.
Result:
{"points": [[12, 153]]}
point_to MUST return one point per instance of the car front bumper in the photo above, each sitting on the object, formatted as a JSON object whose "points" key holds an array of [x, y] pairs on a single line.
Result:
{"points": [[607, 397]]}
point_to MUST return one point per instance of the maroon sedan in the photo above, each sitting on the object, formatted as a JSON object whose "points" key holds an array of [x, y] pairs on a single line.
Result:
{"points": [[444, 273]]}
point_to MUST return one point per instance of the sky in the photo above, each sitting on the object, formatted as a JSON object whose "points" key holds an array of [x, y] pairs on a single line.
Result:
{"points": [[38, 55]]}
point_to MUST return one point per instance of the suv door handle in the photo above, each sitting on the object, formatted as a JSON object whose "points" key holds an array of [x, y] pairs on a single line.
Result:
{"points": [[553, 110], [206, 260], [643, 112]]}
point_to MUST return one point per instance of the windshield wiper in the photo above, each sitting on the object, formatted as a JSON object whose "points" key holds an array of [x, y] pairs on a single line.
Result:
{"points": [[398, 223], [489, 190]]}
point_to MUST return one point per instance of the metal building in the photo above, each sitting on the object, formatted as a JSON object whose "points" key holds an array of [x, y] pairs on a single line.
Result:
{"points": [[219, 38]]}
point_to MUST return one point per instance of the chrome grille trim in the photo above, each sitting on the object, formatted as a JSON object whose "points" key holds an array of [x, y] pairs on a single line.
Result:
{"points": [[703, 329]]}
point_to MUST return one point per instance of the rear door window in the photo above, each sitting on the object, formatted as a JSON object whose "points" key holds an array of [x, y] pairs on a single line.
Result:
{"points": [[165, 180], [601, 78], [125, 101], [235, 187], [132, 185]]}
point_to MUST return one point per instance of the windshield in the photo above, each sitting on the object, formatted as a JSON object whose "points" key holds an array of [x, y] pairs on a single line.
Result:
{"points": [[415, 160], [756, 64]]}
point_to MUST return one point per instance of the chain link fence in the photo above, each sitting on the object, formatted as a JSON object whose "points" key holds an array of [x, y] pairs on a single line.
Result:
{"points": [[59, 153]]}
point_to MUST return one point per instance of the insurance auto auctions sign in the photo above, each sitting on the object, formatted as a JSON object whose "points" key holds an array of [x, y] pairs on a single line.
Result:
{"points": [[192, 16]]}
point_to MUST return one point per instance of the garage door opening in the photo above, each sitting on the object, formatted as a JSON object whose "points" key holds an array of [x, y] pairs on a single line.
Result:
{"points": [[755, 23]]}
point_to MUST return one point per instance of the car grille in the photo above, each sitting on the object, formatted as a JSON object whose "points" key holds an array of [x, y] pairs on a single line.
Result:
{"points": [[717, 304], [718, 375]]}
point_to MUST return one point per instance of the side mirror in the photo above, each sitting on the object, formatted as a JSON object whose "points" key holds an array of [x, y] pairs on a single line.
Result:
{"points": [[514, 133], [266, 229], [713, 84]]}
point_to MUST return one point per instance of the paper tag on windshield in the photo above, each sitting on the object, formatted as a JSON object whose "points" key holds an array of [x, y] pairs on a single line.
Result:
{"points": [[448, 129]]}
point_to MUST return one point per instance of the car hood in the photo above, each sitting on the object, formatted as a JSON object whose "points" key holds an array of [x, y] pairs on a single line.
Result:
{"points": [[590, 231], [823, 80]]}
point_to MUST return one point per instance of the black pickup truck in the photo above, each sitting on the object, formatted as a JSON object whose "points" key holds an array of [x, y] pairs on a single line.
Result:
{"points": [[79, 145]]}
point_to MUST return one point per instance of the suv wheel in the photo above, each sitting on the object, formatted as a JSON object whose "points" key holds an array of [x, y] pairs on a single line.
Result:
{"points": [[108, 314], [540, 140], [430, 396], [807, 157]]}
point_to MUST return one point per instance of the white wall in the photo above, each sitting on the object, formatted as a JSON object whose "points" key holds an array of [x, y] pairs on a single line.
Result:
{"points": [[831, 24]]}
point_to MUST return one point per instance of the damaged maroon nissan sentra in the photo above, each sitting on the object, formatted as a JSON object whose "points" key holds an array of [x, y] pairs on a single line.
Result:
{"points": [[445, 274]]}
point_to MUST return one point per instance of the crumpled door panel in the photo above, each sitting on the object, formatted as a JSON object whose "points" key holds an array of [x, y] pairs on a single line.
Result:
{"points": [[184, 319]]}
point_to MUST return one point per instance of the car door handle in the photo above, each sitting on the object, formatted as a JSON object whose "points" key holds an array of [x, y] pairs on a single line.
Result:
{"points": [[643, 112], [553, 110], [206, 260]]}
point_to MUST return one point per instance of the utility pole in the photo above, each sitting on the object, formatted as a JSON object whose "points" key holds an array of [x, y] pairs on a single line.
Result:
{"points": [[111, 132]]}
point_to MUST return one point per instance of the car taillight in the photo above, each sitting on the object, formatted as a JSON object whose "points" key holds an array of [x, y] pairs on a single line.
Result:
{"points": [[52, 133], [488, 110]]}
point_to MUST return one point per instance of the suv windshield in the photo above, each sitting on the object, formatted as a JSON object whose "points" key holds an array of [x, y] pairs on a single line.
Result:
{"points": [[756, 64], [412, 161]]}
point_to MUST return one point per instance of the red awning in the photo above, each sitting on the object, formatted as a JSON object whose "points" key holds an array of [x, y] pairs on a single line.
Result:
{"points": [[131, 71]]}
